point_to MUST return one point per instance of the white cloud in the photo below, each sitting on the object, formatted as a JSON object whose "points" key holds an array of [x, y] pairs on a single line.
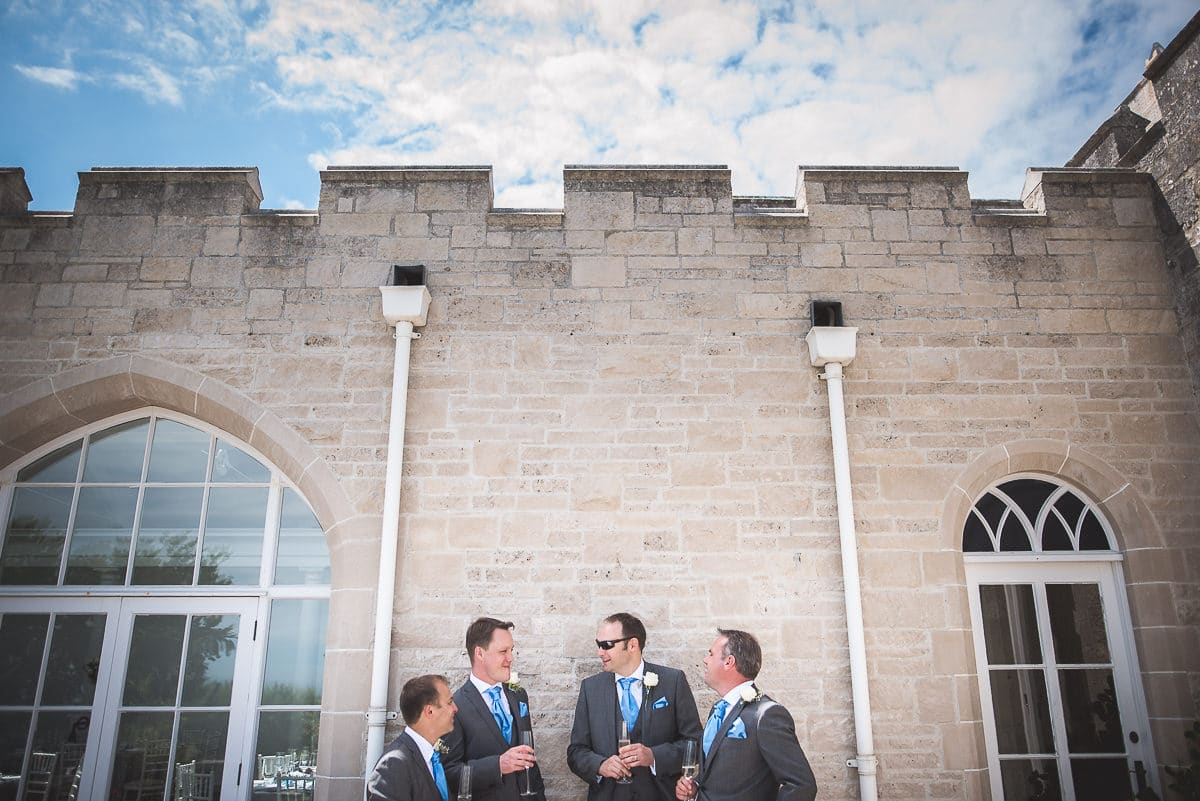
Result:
{"points": [[528, 85], [61, 77], [153, 83]]}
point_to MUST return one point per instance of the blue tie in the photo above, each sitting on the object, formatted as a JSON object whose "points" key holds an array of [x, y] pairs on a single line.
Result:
{"points": [[500, 713], [714, 724], [629, 707], [439, 775]]}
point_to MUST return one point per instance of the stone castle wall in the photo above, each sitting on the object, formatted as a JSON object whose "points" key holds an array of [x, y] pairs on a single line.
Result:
{"points": [[611, 408]]}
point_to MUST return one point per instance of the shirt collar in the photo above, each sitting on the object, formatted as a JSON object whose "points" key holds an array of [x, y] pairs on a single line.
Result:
{"points": [[733, 696], [425, 746], [637, 674], [483, 686]]}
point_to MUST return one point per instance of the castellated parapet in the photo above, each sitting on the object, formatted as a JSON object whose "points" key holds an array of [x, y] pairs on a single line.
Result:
{"points": [[616, 394]]}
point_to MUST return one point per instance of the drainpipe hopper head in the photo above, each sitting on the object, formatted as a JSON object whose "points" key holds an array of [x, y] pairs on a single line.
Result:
{"points": [[407, 300], [828, 343]]}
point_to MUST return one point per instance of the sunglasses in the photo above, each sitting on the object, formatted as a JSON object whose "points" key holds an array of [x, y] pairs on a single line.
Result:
{"points": [[608, 645]]}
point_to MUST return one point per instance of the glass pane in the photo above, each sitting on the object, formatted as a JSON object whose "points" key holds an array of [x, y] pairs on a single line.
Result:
{"points": [[22, 642], [99, 549], [200, 754], [1030, 780], [14, 729], [208, 671], [233, 535], [303, 556], [167, 534], [115, 455], [1009, 624], [992, 508], [1030, 494], [179, 453], [63, 734], [74, 661], [1101, 779], [237, 467], [287, 748], [33, 541], [975, 536], [57, 467], [1077, 623], [152, 675], [1090, 708], [1055, 536], [1092, 536], [295, 652], [1071, 507], [143, 756], [1013, 536], [1022, 713]]}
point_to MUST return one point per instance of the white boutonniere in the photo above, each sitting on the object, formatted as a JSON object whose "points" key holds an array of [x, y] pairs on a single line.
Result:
{"points": [[514, 681], [650, 680], [440, 746], [750, 694]]}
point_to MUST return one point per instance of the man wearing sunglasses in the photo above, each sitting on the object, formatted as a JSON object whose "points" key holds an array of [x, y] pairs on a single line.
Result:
{"points": [[657, 706]]}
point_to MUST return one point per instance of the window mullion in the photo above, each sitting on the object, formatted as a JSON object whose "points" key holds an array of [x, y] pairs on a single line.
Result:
{"points": [[1053, 692]]}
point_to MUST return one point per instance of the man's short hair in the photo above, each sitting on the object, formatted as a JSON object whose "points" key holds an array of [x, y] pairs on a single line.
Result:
{"points": [[480, 634], [744, 649], [419, 693], [630, 627]]}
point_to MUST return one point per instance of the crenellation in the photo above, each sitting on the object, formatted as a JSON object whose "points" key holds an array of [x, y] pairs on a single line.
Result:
{"points": [[619, 390]]}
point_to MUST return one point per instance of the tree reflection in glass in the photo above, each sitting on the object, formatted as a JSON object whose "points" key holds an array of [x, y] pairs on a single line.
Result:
{"points": [[167, 533]]}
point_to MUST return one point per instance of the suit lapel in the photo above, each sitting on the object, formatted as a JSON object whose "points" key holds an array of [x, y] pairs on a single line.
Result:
{"points": [[610, 708], [730, 717], [422, 766], [483, 712], [648, 699], [514, 708]]}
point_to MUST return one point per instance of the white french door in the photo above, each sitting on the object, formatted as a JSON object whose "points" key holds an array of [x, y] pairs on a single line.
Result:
{"points": [[1064, 713], [115, 695]]}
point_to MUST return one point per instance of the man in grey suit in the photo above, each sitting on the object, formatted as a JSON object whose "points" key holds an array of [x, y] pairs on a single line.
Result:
{"points": [[492, 714], [750, 751], [411, 768], [657, 707]]}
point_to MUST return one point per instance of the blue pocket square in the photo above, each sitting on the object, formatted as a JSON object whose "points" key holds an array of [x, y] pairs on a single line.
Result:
{"points": [[523, 709], [737, 731], [661, 703]]}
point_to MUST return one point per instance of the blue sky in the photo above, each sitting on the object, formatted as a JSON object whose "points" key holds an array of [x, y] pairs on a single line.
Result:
{"points": [[290, 86]]}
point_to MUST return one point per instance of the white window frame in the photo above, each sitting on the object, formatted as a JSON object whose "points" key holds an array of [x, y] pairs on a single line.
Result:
{"points": [[109, 599], [1036, 567]]}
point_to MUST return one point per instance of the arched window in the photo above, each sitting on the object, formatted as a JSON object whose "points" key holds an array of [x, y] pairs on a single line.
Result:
{"points": [[1064, 712], [163, 605]]}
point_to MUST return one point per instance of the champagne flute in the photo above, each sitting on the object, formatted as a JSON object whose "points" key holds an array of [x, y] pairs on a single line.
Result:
{"points": [[464, 783], [623, 741], [527, 739], [691, 765]]}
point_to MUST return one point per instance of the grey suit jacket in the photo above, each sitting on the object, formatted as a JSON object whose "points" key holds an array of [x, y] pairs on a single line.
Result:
{"points": [[402, 774], [477, 741], [767, 764], [667, 718]]}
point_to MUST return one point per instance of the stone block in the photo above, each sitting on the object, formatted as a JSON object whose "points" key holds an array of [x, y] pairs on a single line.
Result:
{"points": [[889, 225], [599, 210], [221, 241], [597, 271]]}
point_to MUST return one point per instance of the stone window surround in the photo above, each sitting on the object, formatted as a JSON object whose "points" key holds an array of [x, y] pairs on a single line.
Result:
{"points": [[50, 409]]}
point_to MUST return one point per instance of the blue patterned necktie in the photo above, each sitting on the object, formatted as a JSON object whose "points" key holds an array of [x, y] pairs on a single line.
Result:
{"points": [[629, 707], [503, 720], [439, 775], [714, 724]]}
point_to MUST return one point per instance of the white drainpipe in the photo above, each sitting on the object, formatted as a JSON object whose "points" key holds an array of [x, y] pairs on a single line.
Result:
{"points": [[833, 348], [403, 307]]}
